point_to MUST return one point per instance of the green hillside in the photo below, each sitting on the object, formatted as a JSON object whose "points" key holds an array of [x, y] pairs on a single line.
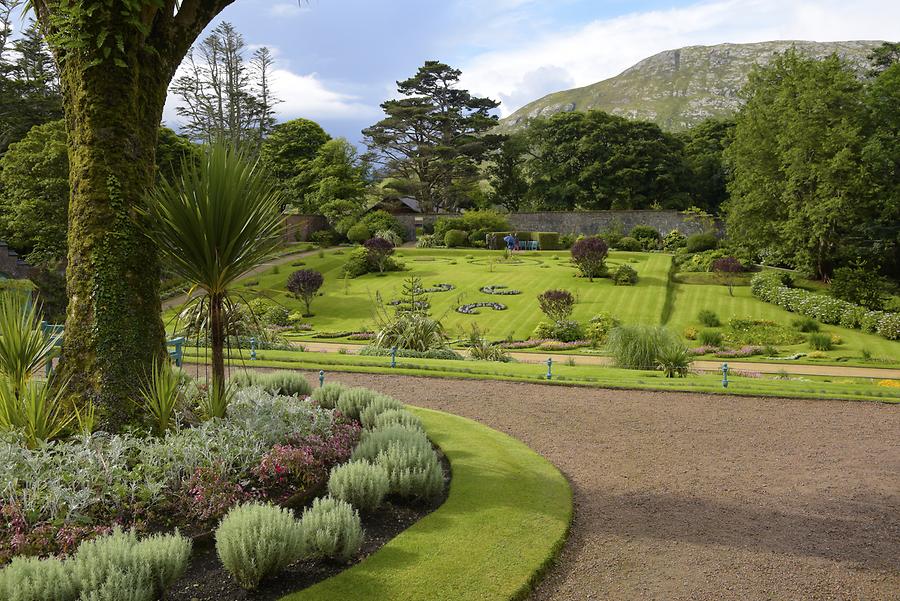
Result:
{"points": [[679, 88]]}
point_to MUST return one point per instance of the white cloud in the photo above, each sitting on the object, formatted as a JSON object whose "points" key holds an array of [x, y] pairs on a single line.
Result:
{"points": [[287, 9], [603, 48], [308, 96]]}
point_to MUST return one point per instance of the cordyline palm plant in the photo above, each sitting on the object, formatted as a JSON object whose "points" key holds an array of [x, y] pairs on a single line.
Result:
{"points": [[24, 346], [221, 219]]}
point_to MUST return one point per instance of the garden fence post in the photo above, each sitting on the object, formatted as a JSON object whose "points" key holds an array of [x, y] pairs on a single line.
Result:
{"points": [[549, 368], [321, 378], [393, 356], [724, 375], [253, 349]]}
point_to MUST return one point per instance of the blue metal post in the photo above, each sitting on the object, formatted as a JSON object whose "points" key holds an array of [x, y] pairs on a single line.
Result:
{"points": [[724, 375], [394, 356], [321, 378], [549, 368], [253, 349]]}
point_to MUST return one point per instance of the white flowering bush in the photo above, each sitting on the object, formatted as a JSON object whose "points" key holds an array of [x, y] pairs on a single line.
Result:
{"points": [[767, 286]]}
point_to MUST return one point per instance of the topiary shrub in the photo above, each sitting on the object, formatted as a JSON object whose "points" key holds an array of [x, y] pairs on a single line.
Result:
{"points": [[547, 240], [327, 396], [33, 579], [359, 483], [255, 541], [625, 275], [376, 407], [700, 242], [119, 567], [375, 441], [629, 244], [589, 255], [359, 233], [708, 318], [413, 472], [332, 528], [456, 238], [710, 338]]}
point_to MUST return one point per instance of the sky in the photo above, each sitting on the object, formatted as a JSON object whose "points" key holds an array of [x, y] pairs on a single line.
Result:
{"points": [[337, 60]]}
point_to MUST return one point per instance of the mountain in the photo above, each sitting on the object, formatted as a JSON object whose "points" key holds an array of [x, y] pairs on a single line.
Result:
{"points": [[679, 88]]}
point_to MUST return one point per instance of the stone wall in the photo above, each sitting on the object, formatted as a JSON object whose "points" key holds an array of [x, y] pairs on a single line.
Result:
{"points": [[12, 265], [574, 222], [298, 228]]}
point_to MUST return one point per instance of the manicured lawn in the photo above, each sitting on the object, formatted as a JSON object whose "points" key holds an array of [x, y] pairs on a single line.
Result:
{"points": [[506, 517], [579, 375]]}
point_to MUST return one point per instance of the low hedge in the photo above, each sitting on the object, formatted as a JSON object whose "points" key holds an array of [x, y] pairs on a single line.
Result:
{"points": [[546, 240], [768, 286]]}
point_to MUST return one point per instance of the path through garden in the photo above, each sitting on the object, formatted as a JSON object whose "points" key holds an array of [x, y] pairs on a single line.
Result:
{"points": [[682, 496]]}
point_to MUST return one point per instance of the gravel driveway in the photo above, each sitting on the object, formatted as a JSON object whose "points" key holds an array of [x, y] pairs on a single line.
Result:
{"points": [[684, 496]]}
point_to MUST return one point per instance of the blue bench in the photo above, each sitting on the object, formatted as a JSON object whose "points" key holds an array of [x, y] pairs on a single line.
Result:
{"points": [[176, 354]]}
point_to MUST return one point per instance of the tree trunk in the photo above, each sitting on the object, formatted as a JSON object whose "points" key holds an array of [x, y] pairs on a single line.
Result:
{"points": [[113, 326], [217, 342]]}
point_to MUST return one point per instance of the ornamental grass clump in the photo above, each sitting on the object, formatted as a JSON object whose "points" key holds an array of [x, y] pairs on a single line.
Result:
{"points": [[332, 528], [708, 318], [638, 346], [32, 579], [327, 396], [710, 337], [376, 407], [160, 395], [255, 541], [360, 483], [820, 342]]}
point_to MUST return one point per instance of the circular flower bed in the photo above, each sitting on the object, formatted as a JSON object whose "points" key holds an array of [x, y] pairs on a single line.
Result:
{"points": [[420, 305], [437, 288], [498, 289], [472, 308]]}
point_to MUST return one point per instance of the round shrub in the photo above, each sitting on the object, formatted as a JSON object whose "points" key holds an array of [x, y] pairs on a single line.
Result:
{"points": [[353, 400], [359, 233], [543, 330], [413, 472], [673, 241], [710, 337], [255, 541], [376, 407], [700, 242], [629, 244], [375, 441], [399, 417], [589, 255], [708, 318], [625, 275], [556, 304], [647, 235], [805, 324], [567, 331], [327, 396], [33, 579], [332, 529], [456, 238], [599, 327], [359, 483]]}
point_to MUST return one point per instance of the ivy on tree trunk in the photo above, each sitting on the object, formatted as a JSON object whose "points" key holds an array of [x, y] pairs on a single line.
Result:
{"points": [[116, 59]]}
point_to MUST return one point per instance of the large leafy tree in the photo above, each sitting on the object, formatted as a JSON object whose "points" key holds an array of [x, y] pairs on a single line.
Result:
{"points": [[704, 148], [288, 152], [798, 189], [34, 188], [433, 137], [506, 172], [338, 184], [595, 160], [116, 60], [29, 82]]}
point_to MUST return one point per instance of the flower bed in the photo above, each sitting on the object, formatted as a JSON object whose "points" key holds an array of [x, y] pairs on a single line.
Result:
{"points": [[744, 351], [472, 308], [767, 286], [520, 344], [436, 288], [268, 448], [498, 289], [556, 345]]}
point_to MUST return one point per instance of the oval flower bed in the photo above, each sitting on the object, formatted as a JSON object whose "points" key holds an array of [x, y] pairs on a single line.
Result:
{"points": [[498, 289], [472, 308]]}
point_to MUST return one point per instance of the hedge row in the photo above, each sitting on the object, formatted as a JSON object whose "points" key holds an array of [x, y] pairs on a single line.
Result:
{"points": [[768, 286], [546, 240]]}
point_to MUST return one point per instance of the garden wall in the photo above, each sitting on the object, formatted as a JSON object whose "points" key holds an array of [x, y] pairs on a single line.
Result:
{"points": [[298, 228], [574, 222], [11, 265]]}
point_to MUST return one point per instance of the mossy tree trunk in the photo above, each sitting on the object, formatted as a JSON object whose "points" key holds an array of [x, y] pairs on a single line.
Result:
{"points": [[116, 60]]}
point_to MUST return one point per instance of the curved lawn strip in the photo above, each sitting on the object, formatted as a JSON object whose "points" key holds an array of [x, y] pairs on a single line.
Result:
{"points": [[507, 516]]}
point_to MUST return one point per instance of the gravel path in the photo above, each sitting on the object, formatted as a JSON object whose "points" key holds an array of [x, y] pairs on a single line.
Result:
{"points": [[682, 496]]}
